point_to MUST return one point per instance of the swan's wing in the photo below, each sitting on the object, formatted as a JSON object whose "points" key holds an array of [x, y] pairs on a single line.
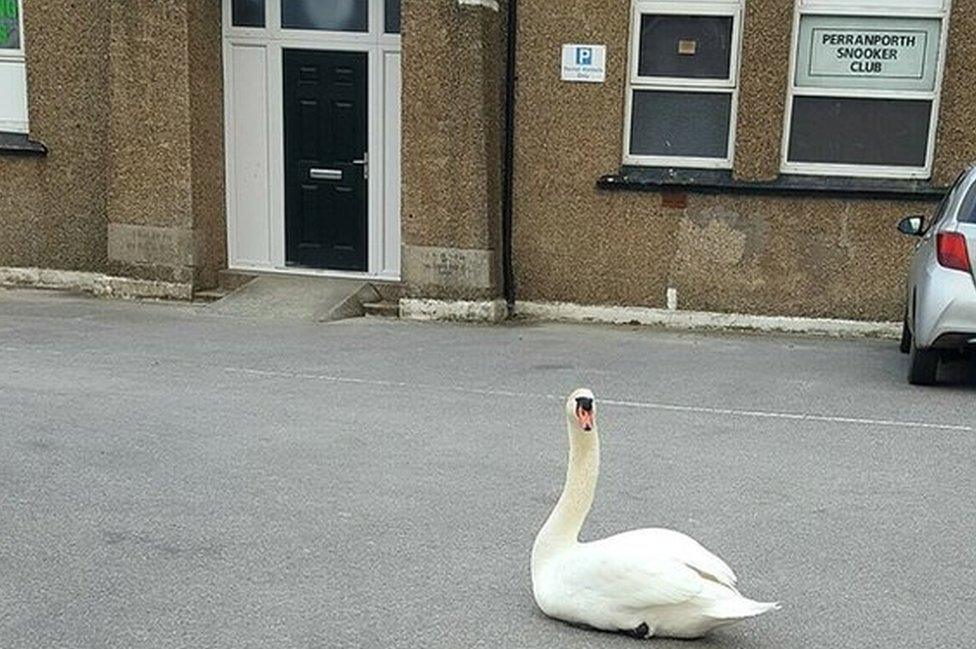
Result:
{"points": [[628, 578], [679, 547]]}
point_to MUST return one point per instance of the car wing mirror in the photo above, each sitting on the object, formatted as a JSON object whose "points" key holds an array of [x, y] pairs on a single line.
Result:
{"points": [[911, 225]]}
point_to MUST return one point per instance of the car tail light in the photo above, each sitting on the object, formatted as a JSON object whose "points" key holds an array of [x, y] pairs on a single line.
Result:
{"points": [[951, 247]]}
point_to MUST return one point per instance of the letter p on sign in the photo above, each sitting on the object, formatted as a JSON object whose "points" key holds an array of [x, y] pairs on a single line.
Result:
{"points": [[584, 56]]}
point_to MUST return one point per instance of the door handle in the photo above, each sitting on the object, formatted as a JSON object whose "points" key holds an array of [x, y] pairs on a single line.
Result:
{"points": [[325, 174], [364, 163]]}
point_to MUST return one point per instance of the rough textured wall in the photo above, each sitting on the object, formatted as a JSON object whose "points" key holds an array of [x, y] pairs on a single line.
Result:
{"points": [[52, 209], [956, 144], [452, 101], [771, 255], [150, 199], [150, 134], [207, 136], [165, 209], [763, 81]]}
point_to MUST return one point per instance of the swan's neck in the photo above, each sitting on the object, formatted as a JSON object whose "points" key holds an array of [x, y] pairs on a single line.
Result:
{"points": [[563, 526]]}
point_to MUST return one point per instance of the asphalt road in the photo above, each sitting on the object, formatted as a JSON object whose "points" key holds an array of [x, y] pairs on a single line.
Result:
{"points": [[172, 478]]}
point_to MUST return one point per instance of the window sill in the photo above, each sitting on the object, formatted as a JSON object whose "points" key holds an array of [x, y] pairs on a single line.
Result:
{"points": [[20, 144], [709, 181]]}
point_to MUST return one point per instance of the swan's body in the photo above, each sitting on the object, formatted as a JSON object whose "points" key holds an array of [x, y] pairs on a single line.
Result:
{"points": [[648, 582]]}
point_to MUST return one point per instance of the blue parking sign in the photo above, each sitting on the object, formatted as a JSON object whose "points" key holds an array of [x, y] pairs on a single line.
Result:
{"points": [[586, 63]]}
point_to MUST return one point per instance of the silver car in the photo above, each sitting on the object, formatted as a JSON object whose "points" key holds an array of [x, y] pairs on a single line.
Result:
{"points": [[940, 319]]}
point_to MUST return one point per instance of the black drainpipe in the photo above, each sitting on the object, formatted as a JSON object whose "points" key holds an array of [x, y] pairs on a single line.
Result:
{"points": [[508, 271]]}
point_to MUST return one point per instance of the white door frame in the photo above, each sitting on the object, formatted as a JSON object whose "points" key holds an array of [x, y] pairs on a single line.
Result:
{"points": [[256, 241]]}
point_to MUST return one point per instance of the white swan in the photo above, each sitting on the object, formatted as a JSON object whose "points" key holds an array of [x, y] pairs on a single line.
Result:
{"points": [[649, 582]]}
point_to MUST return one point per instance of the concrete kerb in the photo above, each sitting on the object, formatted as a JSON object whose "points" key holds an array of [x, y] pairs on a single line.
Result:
{"points": [[95, 284], [453, 310], [494, 311], [705, 321]]}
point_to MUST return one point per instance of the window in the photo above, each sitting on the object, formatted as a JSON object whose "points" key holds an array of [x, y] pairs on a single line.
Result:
{"points": [[347, 16], [864, 88], [336, 15], [247, 13], [683, 83], [391, 20], [13, 70]]}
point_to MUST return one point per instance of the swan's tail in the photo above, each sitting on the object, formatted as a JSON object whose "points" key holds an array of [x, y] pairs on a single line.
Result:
{"points": [[740, 608]]}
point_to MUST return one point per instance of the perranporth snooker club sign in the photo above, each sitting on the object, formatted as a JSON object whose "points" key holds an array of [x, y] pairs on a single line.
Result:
{"points": [[889, 54]]}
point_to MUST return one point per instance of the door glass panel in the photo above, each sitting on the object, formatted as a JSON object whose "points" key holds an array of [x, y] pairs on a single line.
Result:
{"points": [[891, 132], [696, 47], [248, 13], [331, 15], [693, 124], [392, 17]]}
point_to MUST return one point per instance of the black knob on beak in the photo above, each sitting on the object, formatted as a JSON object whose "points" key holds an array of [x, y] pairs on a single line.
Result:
{"points": [[585, 404]]}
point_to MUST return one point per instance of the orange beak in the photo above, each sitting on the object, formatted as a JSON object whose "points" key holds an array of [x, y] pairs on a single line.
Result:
{"points": [[585, 418]]}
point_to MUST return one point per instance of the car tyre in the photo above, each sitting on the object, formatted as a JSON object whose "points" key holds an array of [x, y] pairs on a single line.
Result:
{"points": [[906, 337], [923, 365]]}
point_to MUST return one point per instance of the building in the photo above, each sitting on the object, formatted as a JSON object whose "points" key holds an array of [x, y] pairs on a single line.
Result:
{"points": [[723, 155]]}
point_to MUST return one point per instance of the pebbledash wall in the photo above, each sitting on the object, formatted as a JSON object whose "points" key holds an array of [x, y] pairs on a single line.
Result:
{"points": [[127, 99], [749, 245], [119, 169]]}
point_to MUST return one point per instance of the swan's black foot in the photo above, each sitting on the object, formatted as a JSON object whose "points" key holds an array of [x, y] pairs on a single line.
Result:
{"points": [[640, 632]]}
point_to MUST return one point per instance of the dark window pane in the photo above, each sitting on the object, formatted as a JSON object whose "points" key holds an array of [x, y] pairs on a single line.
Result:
{"points": [[698, 47], [9, 25], [392, 18], [694, 124], [332, 15], [967, 210], [248, 13], [891, 132]]}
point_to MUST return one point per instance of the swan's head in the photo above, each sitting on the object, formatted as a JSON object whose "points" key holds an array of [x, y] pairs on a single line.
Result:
{"points": [[581, 410]]}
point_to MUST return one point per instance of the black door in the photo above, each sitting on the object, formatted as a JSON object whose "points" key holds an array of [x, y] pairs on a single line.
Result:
{"points": [[325, 159]]}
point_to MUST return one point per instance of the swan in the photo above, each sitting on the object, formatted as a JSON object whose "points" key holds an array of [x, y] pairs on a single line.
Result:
{"points": [[648, 582]]}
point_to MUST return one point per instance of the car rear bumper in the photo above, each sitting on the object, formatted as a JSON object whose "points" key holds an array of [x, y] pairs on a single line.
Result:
{"points": [[945, 310]]}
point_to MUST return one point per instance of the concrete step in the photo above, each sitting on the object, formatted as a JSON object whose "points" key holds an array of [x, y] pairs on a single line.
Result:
{"points": [[210, 295], [382, 309], [231, 280], [316, 299]]}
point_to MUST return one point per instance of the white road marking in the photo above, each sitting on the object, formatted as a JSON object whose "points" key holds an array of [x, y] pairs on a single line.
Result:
{"points": [[643, 405]]}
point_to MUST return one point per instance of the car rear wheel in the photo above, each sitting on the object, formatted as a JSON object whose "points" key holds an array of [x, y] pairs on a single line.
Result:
{"points": [[923, 365], [906, 337]]}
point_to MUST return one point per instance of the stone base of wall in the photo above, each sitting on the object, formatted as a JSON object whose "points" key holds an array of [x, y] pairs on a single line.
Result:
{"points": [[450, 273], [495, 311], [704, 320], [94, 283], [454, 310]]}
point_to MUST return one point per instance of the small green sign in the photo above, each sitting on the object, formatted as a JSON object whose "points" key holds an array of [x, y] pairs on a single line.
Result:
{"points": [[9, 24]]}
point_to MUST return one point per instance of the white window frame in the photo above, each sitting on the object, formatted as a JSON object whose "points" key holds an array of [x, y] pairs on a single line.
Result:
{"points": [[730, 85], [868, 9], [18, 59]]}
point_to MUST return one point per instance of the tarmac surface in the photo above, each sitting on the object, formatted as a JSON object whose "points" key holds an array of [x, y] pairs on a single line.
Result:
{"points": [[170, 477]]}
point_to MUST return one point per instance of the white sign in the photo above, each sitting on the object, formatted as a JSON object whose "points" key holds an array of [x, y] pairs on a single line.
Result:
{"points": [[859, 52], [878, 53], [587, 63]]}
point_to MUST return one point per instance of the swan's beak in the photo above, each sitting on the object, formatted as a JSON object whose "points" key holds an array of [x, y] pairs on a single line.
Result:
{"points": [[585, 418]]}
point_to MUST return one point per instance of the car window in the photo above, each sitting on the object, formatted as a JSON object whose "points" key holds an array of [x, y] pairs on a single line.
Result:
{"points": [[951, 198], [967, 209]]}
